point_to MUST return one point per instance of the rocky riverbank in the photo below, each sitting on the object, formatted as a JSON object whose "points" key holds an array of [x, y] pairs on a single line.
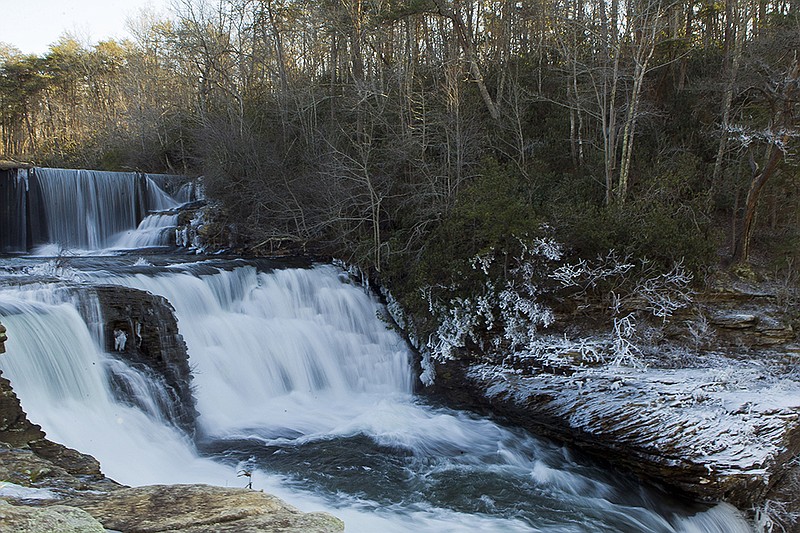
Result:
{"points": [[716, 417]]}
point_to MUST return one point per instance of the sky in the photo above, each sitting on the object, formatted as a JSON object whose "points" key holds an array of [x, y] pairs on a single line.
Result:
{"points": [[32, 25]]}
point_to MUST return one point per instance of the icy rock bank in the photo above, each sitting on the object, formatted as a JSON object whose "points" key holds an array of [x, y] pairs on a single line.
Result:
{"points": [[721, 421], [719, 435]]}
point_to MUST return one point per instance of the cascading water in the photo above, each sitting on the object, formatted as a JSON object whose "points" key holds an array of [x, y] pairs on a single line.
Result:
{"points": [[60, 373], [14, 215], [54, 209], [155, 230], [299, 379]]}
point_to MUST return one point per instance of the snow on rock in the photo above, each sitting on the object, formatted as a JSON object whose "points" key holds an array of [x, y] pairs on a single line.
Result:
{"points": [[719, 432], [18, 492]]}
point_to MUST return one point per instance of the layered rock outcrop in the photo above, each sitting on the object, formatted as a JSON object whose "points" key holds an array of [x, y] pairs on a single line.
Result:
{"points": [[716, 415], [140, 328]]}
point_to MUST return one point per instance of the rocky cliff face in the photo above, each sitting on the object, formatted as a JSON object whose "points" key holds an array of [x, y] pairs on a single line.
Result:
{"points": [[15, 429]]}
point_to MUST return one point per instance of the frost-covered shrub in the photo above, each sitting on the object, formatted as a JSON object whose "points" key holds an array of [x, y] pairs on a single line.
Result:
{"points": [[629, 285], [604, 273], [665, 293], [624, 348], [506, 312], [775, 517], [630, 289]]}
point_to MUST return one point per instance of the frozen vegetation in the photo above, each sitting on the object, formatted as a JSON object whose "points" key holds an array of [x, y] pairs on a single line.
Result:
{"points": [[699, 390]]}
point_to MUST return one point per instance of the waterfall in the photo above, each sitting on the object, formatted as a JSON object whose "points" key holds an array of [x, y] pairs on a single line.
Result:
{"points": [[298, 375], [57, 369], [82, 209], [13, 216], [155, 230], [309, 350]]}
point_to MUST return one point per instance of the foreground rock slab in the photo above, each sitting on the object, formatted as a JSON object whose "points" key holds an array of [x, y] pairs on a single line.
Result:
{"points": [[200, 508], [60, 518]]}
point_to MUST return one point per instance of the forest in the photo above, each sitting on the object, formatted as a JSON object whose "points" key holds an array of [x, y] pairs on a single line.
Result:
{"points": [[408, 136]]}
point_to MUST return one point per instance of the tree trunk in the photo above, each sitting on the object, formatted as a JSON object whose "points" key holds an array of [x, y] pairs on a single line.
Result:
{"points": [[744, 234], [732, 60], [782, 129], [466, 45]]}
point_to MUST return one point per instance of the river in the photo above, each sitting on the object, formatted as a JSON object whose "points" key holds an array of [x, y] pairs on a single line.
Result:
{"points": [[298, 378]]}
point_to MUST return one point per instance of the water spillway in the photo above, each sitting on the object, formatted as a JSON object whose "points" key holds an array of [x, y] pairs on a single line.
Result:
{"points": [[78, 209], [299, 379]]}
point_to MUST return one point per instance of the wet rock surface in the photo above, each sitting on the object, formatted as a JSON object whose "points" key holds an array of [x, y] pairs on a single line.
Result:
{"points": [[729, 444], [140, 328]]}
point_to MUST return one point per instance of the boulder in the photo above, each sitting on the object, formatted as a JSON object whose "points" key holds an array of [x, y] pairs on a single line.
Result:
{"points": [[200, 509], [60, 518], [141, 329]]}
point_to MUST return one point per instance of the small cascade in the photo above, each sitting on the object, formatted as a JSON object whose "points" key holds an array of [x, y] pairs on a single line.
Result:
{"points": [[310, 352], [178, 188], [62, 378], [84, 209], [155, 230], [143, 390]]}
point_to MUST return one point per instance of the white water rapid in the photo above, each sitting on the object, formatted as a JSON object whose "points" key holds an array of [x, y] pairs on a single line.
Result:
{"points": [[298, 377]]}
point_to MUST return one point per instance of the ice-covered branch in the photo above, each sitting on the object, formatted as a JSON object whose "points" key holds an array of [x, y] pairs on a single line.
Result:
{"points": [[586, 275], [510, 301], [665, 293]]}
